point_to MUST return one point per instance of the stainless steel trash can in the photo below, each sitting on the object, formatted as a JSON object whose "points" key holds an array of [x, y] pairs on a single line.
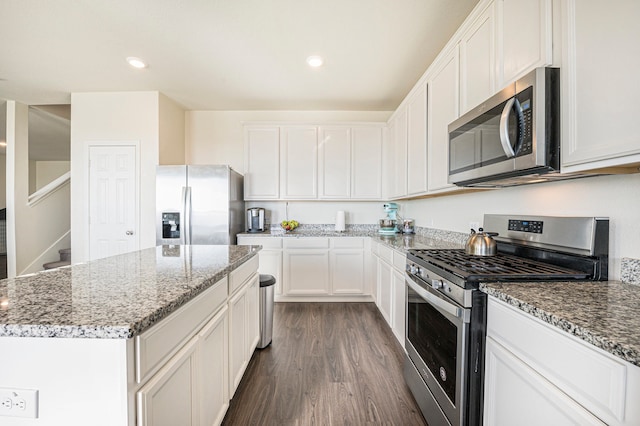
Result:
{"points": [[267, 285]]}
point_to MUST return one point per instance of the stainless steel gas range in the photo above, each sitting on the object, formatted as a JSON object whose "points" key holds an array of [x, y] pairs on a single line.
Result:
{"points": [[446, 314]]}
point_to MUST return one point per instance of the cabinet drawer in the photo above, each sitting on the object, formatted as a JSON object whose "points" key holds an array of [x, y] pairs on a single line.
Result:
{"points": [[238, 276], [385, 253], [156, 345], [399, 260], [265, 242], [347, 242], [289, 243], [593, 378]]}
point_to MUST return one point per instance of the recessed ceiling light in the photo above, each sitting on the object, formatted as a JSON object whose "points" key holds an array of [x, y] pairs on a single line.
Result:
{"points": [[315, 61], [136, 62]]}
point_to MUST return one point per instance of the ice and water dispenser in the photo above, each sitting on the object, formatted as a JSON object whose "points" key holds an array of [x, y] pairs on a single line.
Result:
{"points": [[170, 225]]}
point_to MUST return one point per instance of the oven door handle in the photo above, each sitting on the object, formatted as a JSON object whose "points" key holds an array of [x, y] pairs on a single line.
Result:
{"points": [[433, 299]]}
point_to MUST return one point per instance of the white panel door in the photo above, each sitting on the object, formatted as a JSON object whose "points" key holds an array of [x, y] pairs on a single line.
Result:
{"points": [[213, 374], [384, 297], [400, 153], [347, 271], [237, 339], [334, 158], [306, 272], [399, 306], [113, 200]]}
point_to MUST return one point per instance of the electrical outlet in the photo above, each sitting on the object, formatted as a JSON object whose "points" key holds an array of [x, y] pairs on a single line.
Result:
{"points": [[19, 402], [474, 225]]}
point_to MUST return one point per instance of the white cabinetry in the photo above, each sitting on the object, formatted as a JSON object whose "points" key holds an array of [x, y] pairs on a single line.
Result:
{"points": [[537, 374], [306, 266], [524, 35], [214, 369], [299, 162], [390, 288], [334, 158], [347, 262], [169, 397], [399, 177], [366, 163], [270, 256], [417, 141], [399, 289], [478, 61], [384, 290], [443, 109], [262, 163], [598, 105]]}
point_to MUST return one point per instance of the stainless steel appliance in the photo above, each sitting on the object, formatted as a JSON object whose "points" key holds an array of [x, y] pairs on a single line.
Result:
{"points": [[255, 219], [512, 138], [198, 205], [446, 315]]}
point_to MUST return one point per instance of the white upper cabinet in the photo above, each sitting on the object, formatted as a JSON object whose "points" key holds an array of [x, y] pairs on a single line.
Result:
{"points": [[417, 141], [478, 61], [366, 163], [400, 153], [262, 163], [443, 109], [334, 161], [524, 37], [599, 83], [299, 162]]}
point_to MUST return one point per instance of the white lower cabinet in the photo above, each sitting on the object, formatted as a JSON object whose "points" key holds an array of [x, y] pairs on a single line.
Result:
{"points": [[384, 290], [270, 256], [537, 374], [346, 264], [169, 398], [214, 366], [244, 331], [399, 289]]}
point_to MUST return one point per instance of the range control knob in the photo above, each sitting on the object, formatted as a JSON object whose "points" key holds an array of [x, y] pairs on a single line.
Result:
{"points": [[437, 284]]}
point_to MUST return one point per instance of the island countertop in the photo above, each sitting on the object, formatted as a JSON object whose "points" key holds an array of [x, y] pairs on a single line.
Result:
{"points": [[114, 298]]}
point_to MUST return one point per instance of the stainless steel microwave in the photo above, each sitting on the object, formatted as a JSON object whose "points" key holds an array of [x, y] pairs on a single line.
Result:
{"points": [[513, 138]]}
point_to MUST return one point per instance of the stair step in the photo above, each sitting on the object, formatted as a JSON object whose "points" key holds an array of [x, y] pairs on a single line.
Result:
{"points": [[65, 254], [52, 265]]}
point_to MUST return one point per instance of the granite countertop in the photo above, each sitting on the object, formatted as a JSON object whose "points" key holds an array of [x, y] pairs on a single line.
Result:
{"points": [[605, 314], [423, 238], [117, 297]]}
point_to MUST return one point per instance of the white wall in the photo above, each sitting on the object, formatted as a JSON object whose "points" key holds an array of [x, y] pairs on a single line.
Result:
{"points": [[3, 181], [616, 197], [171, 132], [215, 137], [48, 171], [109, 117]]}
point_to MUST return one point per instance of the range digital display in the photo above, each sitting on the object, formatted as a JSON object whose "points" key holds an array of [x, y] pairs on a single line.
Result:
{"points": [[532, 226]]}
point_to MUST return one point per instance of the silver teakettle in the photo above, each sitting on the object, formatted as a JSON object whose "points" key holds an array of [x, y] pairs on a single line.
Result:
{"points": [[481, 243]]}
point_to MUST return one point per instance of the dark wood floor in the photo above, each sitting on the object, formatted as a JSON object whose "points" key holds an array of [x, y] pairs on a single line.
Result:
{"points": [[329, 364]]}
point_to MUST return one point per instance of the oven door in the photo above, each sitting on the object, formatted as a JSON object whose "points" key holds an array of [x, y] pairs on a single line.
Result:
{"points": [[436, 341]]}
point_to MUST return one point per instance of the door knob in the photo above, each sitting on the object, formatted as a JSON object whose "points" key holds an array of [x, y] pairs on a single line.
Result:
{"points": [[129, 232]]}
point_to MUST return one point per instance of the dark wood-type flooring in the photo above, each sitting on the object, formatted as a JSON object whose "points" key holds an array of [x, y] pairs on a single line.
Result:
{"points": [[328, 364]]}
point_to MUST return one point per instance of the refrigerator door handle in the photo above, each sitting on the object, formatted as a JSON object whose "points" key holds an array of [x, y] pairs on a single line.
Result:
{"points": [[186, 208]]}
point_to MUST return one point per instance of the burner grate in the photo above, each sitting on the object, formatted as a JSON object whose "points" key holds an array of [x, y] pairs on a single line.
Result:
{"points": [[499, 267]]}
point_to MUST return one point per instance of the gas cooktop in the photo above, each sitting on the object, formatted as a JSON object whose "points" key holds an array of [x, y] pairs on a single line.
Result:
{"points": [[501, 267]]}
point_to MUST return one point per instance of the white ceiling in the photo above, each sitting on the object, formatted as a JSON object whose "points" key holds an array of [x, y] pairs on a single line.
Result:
{"points": [[225, 54]]}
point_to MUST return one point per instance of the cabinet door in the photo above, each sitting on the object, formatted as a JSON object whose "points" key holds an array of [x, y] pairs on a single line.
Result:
{"points": [[598, 106], [271, 263], [385, 291], [169, 397], [262, 163], [517, 395], [306, 272], [299, 163], [400, 153], [443, 96], [524, 37], [478, 61], [214, 369], [399, 306], [253, 315], [347, 271], [237, 339], [417, 141], [334, 161], [366, 163]]}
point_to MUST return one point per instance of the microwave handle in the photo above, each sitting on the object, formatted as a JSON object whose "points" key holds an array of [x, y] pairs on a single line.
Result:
{"points": [[504, 129]]}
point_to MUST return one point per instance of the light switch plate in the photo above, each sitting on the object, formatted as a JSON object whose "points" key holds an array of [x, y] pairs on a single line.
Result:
{"points": [[19, 402]]}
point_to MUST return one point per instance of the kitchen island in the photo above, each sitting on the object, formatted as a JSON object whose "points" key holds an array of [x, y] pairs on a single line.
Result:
{"points": [[157, 336]]}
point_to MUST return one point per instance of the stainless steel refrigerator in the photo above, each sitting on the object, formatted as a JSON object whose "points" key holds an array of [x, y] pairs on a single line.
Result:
{"points": [[198, 205]]}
